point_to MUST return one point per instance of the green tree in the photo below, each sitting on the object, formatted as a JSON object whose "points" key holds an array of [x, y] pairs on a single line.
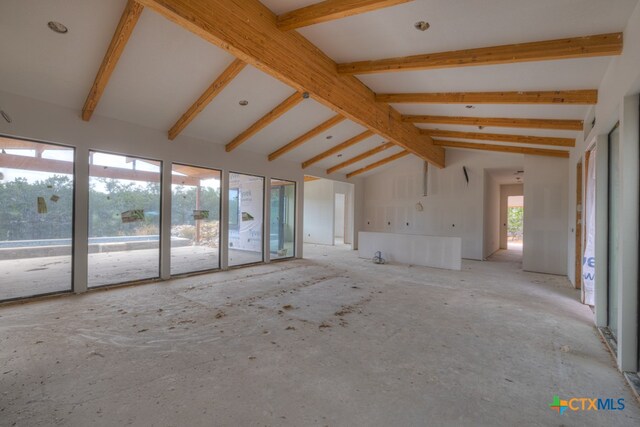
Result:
{"points": [[515, 221]]}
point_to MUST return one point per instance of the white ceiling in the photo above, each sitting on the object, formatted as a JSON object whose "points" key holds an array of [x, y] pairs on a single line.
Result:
{"points": [[165, 68]]}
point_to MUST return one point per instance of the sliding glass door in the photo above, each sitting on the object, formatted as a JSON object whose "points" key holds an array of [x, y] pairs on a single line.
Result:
{"points": [[246, 207], [282, 212], [36, 218], [124, 219], [195, 219]]}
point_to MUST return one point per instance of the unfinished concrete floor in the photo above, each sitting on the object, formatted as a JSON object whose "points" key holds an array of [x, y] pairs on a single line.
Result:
{"points": [[330, 340]]}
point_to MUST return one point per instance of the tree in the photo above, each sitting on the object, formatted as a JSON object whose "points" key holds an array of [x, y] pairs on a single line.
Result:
{"points": [[515, 221]]}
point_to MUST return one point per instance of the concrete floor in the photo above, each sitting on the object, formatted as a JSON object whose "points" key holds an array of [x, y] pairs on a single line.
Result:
{"points": [[331, 340], [34, 276]]}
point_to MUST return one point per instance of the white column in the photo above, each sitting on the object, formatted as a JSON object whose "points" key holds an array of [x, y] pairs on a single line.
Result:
{"points": [[628, 221], [81, 220], [266, 223], [223, 228], [165, 225], [299, 224], [602, 230]]}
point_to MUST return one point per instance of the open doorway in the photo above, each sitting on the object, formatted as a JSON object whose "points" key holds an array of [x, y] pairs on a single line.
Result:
{"points": [[338, 219], [328, 212], [515, 222]]}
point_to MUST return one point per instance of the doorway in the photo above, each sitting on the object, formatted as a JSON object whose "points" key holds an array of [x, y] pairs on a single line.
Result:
{"points": [[515, 222]]}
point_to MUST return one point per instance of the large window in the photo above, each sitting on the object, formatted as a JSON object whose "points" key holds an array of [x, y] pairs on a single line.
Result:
{"points": [[124, 219], [283, 210], [195, 219], [36, 218], [246, 205]]}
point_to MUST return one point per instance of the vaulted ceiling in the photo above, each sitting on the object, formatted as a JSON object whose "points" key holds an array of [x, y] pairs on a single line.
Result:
{"points": [[164, 69]]}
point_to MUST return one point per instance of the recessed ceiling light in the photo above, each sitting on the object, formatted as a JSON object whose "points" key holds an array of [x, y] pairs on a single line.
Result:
{"points": [[329, 136], [480, 127], [421, 26], [57, 27], [244, 103], [469, 106], [339, 155]]}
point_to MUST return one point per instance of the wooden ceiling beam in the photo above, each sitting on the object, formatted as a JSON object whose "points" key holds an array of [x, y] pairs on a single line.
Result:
{"points": [[308, 178], [265, 120], [248, 30], [503, 148], [128, 20], [212, 91], [568, 48], [579, 97], [554, 124], [356, 159], [330, 10], [378, 163], [521, 139], [342, 146], [307, 136]]}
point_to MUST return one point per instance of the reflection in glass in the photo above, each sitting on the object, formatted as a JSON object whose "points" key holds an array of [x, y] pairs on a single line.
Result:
{"points": [[124, 219], [246, 199], [195, 219], [283, 208], [36, 218]]}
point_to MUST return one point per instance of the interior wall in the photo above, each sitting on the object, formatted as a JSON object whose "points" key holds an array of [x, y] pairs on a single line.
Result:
{"points": [[319, 200], [319, 213], [491, 215], [452, 208], [546, 223], [338, 229], [506, 191], [621, 79]]}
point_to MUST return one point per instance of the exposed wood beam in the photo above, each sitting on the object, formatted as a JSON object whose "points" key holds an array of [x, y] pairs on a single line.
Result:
{"points": [[342, 146], [522, 139], [503, 148], [356, 159], [308, 178], [497, 122], [125, 27], [378, 163], [581, 97], [212, 91], [307, 136], [329, 10], [265, 120], [569, 48], [247, 29]]}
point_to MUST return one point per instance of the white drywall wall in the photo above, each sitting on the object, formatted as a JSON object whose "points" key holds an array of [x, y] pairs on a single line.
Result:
{"points": [[452, 207], [338, 230], [491, 215], [545, 221], [319, 200], [621, 79], [413, 249], [506, 191]]}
